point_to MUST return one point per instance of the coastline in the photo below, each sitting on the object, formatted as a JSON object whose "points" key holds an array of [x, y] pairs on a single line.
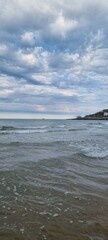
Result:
{"points": [[88, 118], [102, 115]]}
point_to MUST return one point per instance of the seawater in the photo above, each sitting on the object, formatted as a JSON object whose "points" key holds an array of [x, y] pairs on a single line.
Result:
{"points": [[53, 180]]}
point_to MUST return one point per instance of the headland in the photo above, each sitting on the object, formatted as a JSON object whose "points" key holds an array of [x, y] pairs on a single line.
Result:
{"points": [[101, 115]]}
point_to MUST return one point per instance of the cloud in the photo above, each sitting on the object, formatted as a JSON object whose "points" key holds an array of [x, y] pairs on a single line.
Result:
{"points": [[62, 26], [28, 38], [27, 59], [53, 55]]}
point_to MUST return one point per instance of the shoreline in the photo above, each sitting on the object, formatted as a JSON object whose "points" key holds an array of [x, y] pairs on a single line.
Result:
{"points": [[90, 118]]}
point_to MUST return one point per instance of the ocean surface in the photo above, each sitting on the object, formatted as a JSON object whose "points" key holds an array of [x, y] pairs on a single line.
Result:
{"points": [[53, 180]]}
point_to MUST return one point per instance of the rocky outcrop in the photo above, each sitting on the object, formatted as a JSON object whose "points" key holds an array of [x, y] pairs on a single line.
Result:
{"points": [[102, 115]]}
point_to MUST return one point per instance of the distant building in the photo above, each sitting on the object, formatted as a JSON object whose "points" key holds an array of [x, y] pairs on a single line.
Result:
{"points": [[105, 114]]}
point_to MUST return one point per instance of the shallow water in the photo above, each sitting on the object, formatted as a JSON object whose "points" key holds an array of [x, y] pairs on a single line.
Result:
{"points": [[53, 180]]}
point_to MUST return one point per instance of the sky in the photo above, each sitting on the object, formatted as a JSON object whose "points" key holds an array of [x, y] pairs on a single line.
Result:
{"points": [[53, 58]]}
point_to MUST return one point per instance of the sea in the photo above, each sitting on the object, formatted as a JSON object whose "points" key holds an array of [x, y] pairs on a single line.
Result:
{"points": [[53, 180]]}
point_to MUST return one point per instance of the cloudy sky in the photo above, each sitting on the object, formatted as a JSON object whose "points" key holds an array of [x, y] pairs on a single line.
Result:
{"points": [[53, 57]]}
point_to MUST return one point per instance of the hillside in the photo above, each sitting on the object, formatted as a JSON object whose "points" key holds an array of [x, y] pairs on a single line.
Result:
{"points": [[101, 115]]}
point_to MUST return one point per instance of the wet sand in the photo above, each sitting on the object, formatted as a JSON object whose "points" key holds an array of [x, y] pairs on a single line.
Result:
{"points": [[40, 213]]}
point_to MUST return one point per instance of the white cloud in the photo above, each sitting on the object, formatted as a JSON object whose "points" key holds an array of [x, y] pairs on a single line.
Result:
{"points": [[3, 49], [27, 58], [61, 26], [95, 59], [6, 92], [28, 38], [40, 108], [42, 78]]}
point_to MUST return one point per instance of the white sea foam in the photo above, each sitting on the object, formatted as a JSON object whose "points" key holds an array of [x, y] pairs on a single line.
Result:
{"points": [[61, 126], [95, 152], [24, 131], [55, 215], [31, 131]]}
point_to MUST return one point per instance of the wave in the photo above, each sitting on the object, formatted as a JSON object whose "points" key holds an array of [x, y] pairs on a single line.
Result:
{"points": [[62, 126], [31, 131], [95, 153], [76, 129], [6, 128], [36, 129], [98, 124], [11, 129]]}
